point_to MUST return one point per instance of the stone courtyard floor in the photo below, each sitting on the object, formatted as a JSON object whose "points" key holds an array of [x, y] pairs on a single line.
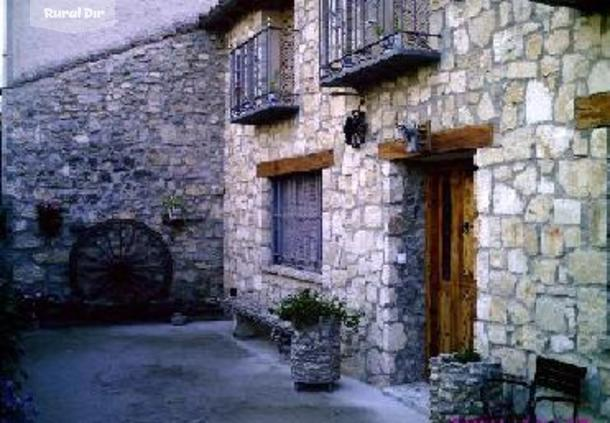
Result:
{"points": [[195, 374]]}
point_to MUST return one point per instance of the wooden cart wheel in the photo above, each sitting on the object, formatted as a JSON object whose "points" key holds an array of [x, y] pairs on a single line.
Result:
{"points": [[121, 262]]}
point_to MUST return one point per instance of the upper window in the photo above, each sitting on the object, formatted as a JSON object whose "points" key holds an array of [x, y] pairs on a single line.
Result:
{"points": [[362, 41], [262, 78], [297, 220]]}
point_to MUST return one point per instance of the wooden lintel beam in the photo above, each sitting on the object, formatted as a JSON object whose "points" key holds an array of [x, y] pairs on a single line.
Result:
{"points": [[307, 163], [465, 138], [592, 111]]}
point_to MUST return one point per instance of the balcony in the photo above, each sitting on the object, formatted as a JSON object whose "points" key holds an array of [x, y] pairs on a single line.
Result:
{"points": [[366, 41], [262, 78]]}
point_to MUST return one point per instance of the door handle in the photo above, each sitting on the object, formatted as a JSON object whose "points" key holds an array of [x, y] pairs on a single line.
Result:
{"points": [[466, 226]]}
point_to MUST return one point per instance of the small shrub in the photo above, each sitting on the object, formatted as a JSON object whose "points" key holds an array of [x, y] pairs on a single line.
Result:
{"points": [[307, 308], [467, 356], [12, 323], [14, 408]]}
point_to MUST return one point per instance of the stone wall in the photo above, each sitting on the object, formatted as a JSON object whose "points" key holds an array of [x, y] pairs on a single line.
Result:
{"points": [[542, 249], [462, 391], [113, 138], [358, 252]]}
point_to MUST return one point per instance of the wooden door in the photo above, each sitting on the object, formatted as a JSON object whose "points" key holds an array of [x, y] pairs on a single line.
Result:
{"points": [[450, 261]]}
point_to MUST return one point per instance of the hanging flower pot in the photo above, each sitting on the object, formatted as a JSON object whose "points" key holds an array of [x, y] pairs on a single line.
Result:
{"points": [[50, 219], [3, 223], [174, 212]]}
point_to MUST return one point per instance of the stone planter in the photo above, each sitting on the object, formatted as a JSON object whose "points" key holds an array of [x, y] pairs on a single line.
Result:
{"points": [[455, 388], [315, 355]]}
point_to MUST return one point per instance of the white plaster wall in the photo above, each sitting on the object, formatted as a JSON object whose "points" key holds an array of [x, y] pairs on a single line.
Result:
{"points": [[2, 41], [32, 49]]}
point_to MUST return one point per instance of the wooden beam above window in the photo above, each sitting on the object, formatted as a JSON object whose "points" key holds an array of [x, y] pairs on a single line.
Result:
{"points": [[449, 141], [306, 163], [592, 111]]}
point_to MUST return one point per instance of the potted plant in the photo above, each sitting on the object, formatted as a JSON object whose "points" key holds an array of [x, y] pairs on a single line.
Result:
{"points": [[49, 218], [315, 349], [379, 31], [457, 384], [274, 85], [174, 211]]}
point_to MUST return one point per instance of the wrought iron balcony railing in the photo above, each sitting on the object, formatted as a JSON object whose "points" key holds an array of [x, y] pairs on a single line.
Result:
{"points": [[364, 41], [262, 80]]}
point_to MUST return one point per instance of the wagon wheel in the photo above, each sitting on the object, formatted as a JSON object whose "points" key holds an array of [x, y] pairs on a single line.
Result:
{"points": [[120, 261]]}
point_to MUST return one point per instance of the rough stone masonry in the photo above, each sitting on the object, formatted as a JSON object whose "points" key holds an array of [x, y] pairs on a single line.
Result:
{"points": [[112, 138], [540, 189]]}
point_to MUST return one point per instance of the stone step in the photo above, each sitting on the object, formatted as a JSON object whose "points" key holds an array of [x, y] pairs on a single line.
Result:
{"points": [[414, 395]]}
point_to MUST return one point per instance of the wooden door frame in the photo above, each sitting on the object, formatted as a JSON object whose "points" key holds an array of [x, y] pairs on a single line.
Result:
{"points": [[437, 168]]}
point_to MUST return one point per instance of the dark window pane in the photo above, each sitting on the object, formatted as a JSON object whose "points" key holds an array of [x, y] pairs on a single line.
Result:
{"points": [[297, 221]]}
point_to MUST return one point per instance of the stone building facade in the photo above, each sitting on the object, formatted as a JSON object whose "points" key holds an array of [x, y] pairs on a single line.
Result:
{"points": [[113, 137], [541, 260]]}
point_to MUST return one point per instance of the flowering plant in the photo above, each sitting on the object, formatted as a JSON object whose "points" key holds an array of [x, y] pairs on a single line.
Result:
{"points": [[15, 408]]}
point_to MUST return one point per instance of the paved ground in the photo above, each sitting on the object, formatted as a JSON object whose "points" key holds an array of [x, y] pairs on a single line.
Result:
{"points": [[194, 374]]}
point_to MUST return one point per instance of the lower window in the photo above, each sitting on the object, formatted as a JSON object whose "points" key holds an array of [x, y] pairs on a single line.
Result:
{"points": [[297, 220]]}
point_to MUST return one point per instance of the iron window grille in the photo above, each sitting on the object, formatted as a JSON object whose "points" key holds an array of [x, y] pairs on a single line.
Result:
{"points": [[262, 78], [297, 221], [364, 40]]}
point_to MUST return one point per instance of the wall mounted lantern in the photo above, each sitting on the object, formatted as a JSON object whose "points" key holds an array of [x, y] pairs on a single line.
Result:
{"points": [[355, 127]]}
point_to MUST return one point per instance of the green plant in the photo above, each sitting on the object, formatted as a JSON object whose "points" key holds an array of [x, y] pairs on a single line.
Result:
{"points": [[307, 308], [12, 323], [173, 204], [15, 407], [467, 355], [274, 83], [379, 31]]}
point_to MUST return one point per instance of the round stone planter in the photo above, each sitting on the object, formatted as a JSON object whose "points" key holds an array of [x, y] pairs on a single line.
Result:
{"points": [[315, 355], [455, 388]]}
